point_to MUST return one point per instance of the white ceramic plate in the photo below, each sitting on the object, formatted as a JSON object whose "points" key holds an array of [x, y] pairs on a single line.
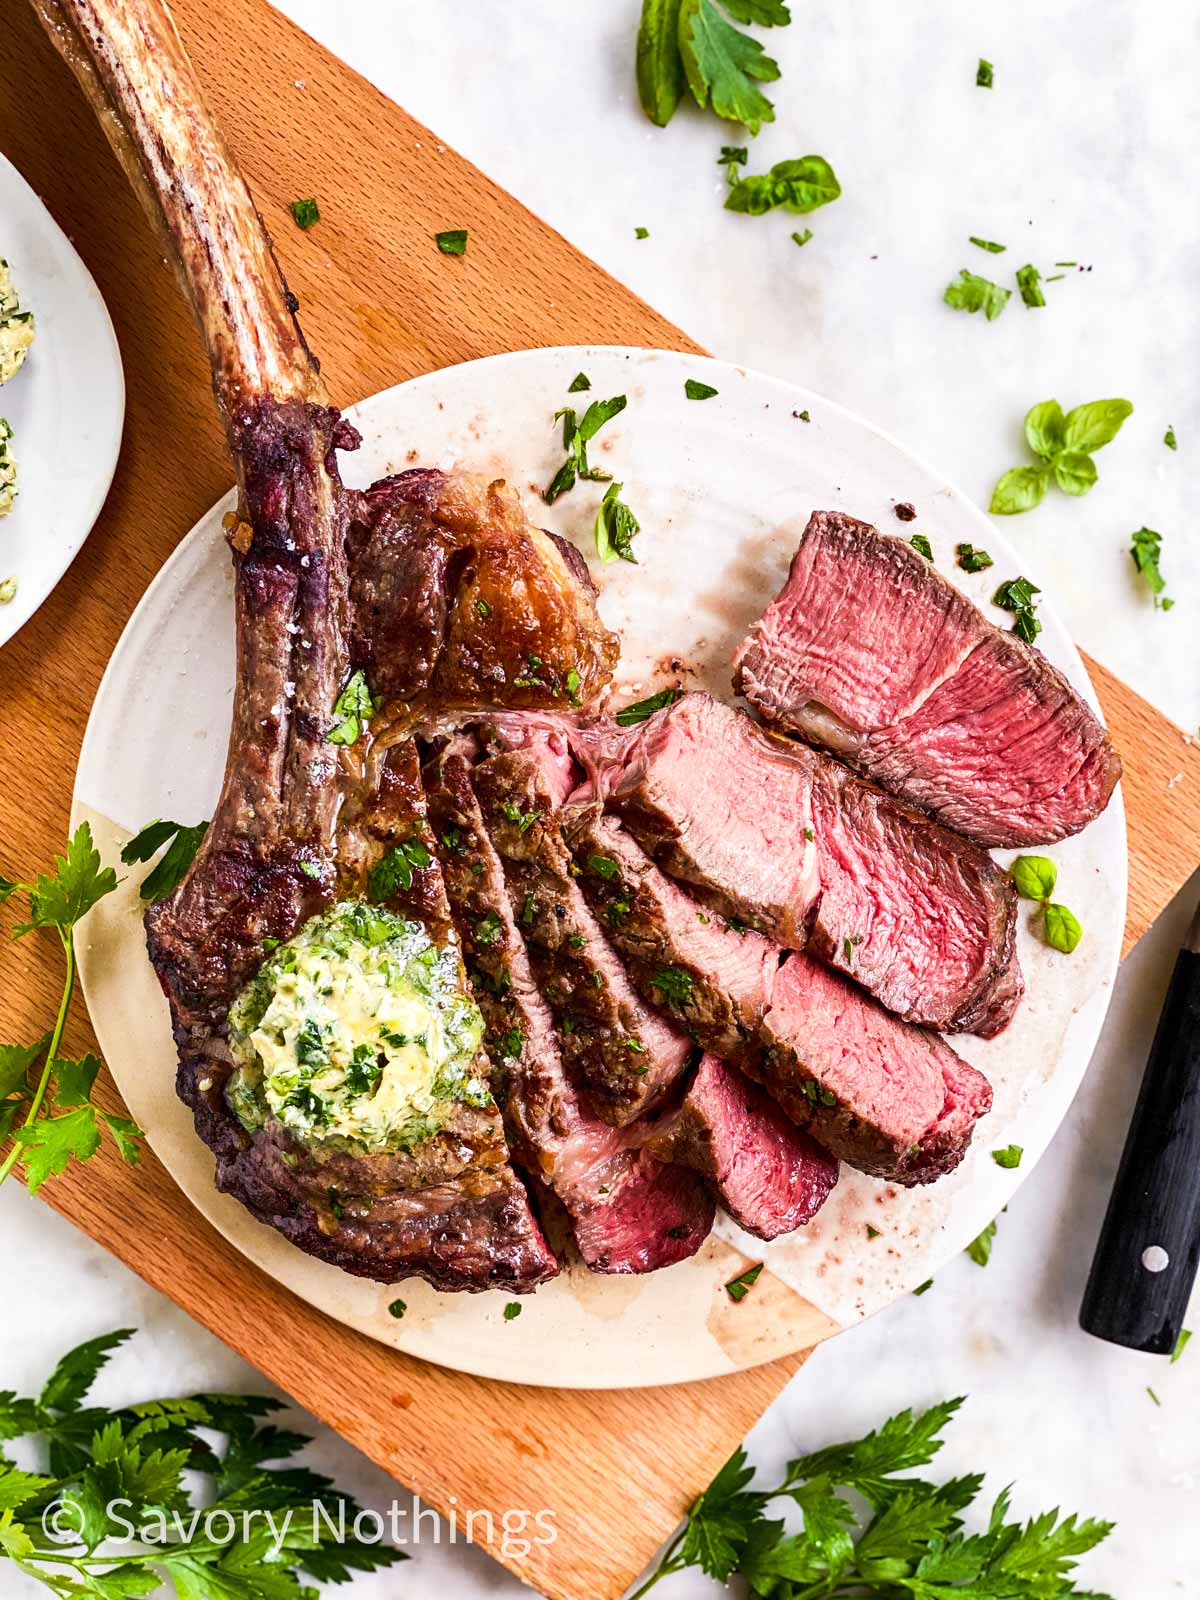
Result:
{"points": [[66, 405], [722, 488]]}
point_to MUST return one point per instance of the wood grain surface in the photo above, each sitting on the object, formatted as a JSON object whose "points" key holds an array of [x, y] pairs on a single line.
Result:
{"points": [[379, 304]]}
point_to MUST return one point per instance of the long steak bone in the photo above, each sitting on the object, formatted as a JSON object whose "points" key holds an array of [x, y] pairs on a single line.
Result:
{"points": [[453, 1211]]}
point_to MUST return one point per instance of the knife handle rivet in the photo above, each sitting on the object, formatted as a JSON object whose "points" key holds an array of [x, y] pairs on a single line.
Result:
{"points": [[1155, 1258]]}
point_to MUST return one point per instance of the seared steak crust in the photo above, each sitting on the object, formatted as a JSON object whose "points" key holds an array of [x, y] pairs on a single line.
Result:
{"points": [[621, 1053], [870, 652], [628, 1211], [455, 595]]}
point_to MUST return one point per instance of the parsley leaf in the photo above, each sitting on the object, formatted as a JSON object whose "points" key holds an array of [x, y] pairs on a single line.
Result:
{"points": [[67, 1386], [393, 874], [78, 883], [695, 390], [984, 74], [675, 984], [1009, 1157], [577, 433], [800, 185], [614, 528], [49, 1144], [512, 1310], [172, 869], [922, 546], [989, 245], [973, 293], [1170, 440], [738, 1288], [452, 241], [578, 382], [802, 238], [724, 66]]}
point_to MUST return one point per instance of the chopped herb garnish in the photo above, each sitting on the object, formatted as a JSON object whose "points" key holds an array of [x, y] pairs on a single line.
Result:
{"points": [[629, 716], [528, 909], [738, 1288], [482, 610], [802, 238], [733, 155], [988, 244], [1181, 1344], [394, 873], [511, 1044], [452, 839], [849, 945], [803, 416], [578, 383], [615, 527], [512, 1310], [573, 684], [922, 546], [1017, 596], [397, 1309], [1009, 1157], [452, 242], [641, 233], [972, 560], [1153, 1396], [1146, 548], [675, 984], [522, 820], [304, 213], [1170, 440], [577, 434], [695, 390], [1029, 281], [969, 292], [872, 1232], [798, 186], [980, 1248], [353, 710], [488, 929], [984, 74], [605, 866], [924, 1288]]}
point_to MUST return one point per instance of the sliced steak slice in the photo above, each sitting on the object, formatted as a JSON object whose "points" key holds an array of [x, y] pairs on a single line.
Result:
{"points": [[870, 652], [920, 917], [882, 1095], [713, 980], [922, 920], [723, 807], [629, 1212], [768, 1174], [617, 1049]]}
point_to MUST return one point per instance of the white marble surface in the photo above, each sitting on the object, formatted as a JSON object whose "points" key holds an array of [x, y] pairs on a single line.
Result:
{"points": [[1081, 151]]}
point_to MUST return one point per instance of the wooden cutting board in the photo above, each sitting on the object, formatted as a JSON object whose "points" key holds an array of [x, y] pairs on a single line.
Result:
{"points": [[380, 305]]}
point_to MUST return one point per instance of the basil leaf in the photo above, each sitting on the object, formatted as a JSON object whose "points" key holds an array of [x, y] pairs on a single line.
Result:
{"points": [[799, 186], [1074, 472], [1094, 424], [660, 77], [614, 528], [922, 546], [972, 560], [1034, 877], [1044, 428], [1062, 929], [1020, 489], [1146, 550]]}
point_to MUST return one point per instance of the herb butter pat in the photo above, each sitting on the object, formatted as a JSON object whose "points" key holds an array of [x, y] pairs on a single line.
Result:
{"points": [[16, 327], [356, 1033]]}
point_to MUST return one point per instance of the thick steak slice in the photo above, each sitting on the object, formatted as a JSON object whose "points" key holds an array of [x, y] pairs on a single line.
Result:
{"points": [[920, 917], [768, 1174], [720, 805], [713, 980], [870, 652], [922, 920], [629, 1212], [888, 1098], [617, 1049]]}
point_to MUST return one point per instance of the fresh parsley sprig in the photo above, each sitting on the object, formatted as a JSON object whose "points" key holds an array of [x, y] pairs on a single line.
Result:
{"points": [[910, 1545], [692, 45], [577, 434], [1064, 446], [108, 1471], [170, 872], [45, 1098], [1145, 547]]}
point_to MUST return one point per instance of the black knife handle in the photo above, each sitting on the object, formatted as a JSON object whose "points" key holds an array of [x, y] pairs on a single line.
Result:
{"points": [[1155, 1204]]}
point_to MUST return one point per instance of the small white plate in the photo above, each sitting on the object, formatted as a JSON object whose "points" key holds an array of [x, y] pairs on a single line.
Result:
{"points": [[722, 488], [66, 405]]}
